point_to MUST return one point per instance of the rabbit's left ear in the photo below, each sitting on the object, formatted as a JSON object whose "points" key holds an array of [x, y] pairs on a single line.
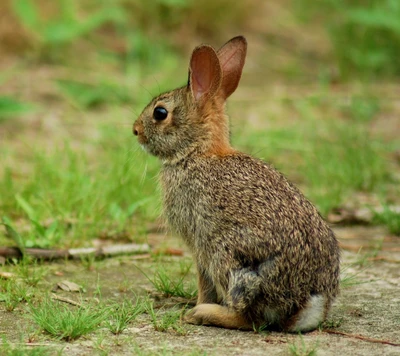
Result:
{"points": [[205, 74], [232, 56]]}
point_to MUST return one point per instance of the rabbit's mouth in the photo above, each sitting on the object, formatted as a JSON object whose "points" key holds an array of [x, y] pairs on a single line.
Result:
{"points": [[144, 148]]}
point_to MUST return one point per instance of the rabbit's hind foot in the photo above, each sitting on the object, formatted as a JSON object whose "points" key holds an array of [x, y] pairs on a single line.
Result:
{"points": [[217, 315], [311, 316]]}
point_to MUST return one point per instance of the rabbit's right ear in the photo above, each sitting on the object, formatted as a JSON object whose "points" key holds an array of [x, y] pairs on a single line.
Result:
{"points": [[232, 56], [205, 74]]}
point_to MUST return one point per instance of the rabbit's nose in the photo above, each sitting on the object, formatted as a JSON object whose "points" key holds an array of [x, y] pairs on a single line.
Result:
{"points": [[135, 129]]}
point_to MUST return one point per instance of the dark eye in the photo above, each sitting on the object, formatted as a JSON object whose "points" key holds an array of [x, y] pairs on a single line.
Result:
{"points": [[160, 113]]}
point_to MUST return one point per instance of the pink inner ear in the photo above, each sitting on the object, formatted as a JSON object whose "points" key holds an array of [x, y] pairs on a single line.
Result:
{"points": [[232, 57], [205, 72], [231, 61]]}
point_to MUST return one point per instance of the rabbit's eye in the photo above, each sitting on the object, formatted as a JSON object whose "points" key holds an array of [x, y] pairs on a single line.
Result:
{"points": [[160, 113]]}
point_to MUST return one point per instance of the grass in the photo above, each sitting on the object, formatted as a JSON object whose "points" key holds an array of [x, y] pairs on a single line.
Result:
{"points": [[31, 272], [170, 285], [302, 349], [121, 314], [165, 320], [63, 322], [331, 161], [10, 107], [13, 293], [8, 349], [108, 192], [389, 217], [363, 35], [331, 323]]}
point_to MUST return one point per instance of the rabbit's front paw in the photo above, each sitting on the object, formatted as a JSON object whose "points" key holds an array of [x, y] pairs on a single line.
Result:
{"points": [[199, 314]]}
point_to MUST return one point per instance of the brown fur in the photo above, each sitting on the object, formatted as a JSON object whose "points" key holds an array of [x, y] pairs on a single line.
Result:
{"points": [[261, 248]]}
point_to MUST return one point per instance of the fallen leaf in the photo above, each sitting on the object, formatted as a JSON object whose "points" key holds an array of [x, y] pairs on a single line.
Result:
{"points": [[347, 216], [69, 286]]}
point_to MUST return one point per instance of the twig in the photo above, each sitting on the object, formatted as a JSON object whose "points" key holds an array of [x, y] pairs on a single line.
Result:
{"points": [[357, 248], [351, 247], [384, 259], [360, 337], [65, 300], [141, 257], [33, 344], [38, 253]]}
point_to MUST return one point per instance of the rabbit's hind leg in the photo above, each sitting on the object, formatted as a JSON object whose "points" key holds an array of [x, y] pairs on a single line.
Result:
{"points": [[308, 318], [217, 315]]}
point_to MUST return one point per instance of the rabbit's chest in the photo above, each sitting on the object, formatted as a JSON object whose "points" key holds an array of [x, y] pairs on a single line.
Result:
{"points": [[186, 206]]}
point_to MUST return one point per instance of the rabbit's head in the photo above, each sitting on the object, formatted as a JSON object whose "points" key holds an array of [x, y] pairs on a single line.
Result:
{"points": [[191, 119]]}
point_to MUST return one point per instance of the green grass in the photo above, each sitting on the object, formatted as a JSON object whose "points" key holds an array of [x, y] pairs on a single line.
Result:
{"points": [[67, 323], [332, 157], [31, 272], [389, 217], [69, 196], [10, 107], [123, 313], [13, 293], [331, 323], [9, 349], [302, 349], [172, 284], [165, 320], [364, 35]]}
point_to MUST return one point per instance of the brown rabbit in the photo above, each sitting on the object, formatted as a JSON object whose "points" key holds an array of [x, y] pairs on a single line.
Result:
{"points": [[264, 255]]}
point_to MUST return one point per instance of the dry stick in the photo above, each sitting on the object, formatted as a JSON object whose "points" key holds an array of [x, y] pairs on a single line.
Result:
{"points": [[38, 253], [384, 259], [358, 248], [360, 337], [65, 300]]}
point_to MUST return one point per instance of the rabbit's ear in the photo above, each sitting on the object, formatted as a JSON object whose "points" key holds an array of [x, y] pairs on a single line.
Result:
{"points": [[231, 57], [205, 73]]}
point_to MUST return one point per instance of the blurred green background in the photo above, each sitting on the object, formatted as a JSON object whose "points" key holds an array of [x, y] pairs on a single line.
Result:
{"points": [[319, 99]]}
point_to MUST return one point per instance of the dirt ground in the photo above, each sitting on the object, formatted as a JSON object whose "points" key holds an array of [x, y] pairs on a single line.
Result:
{"points": [[365, 319]]}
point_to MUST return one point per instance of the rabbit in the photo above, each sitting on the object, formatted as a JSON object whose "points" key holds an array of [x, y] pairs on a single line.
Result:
{"points": [[264, 255]]}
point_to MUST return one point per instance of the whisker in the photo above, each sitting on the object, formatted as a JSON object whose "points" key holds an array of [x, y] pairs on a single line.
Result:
{"points": [[144, 174]]}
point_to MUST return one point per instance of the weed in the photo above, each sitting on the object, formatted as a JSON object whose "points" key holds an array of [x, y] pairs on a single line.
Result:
{"points": [[88, 261], [121, 314], [31, 272], [363, 260], [12, 293], [10, 107], [165, 320], [331, 323], [303, 349], [52, 34], [164, 283], [332, 160], [117, 194], [8, 349], [389, 217], [348, 279], [85, 96], [364, 35], [98, 345], [261, 329], [65, 322]]}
